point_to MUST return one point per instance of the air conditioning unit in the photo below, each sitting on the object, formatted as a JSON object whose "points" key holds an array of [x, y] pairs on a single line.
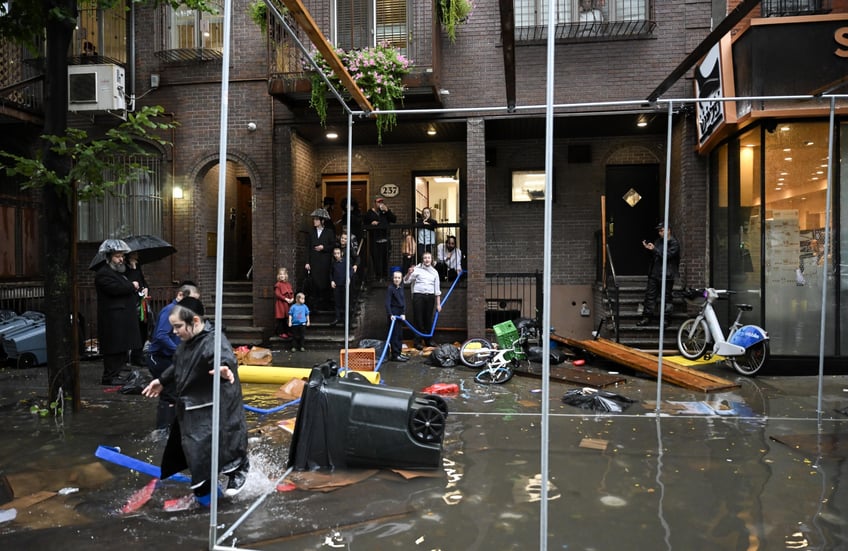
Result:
{"points": [[96, 87]]}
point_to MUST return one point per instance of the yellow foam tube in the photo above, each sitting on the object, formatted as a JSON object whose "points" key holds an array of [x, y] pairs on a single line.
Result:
{"points": [[281, 375]]}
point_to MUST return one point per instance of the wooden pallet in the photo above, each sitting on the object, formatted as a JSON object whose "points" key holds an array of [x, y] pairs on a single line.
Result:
{"points": [[672, 372]]}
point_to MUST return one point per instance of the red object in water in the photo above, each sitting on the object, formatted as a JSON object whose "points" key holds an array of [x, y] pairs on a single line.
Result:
{"points": [[286, 487], [442, 388], [578, 362], [138, 499]]}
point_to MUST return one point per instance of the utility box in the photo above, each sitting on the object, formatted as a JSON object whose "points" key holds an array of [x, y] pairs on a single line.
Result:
{"points": [[96, 87]]}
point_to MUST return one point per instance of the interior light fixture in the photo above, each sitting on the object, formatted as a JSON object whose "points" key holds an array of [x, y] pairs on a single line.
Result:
{"points": [[642, 121], [431, 131], [177, 192], [332, 135]]}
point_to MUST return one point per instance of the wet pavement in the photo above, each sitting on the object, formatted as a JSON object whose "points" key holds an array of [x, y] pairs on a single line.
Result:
{"points": [[757, 470]]}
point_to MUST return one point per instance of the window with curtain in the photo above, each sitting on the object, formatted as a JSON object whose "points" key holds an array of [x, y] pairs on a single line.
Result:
{"points": [[194, 29], [357, 25], [135, 208]]}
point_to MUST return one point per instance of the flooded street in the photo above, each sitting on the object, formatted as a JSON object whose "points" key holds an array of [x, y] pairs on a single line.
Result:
{"points": [[763, 475]]}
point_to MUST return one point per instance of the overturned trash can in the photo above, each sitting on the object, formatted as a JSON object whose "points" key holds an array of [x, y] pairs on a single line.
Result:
{"points": [[346, 422]]}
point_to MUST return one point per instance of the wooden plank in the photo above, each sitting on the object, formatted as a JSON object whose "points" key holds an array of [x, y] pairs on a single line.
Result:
{"points": [[304, 19], [647, 363], [575, 376]]}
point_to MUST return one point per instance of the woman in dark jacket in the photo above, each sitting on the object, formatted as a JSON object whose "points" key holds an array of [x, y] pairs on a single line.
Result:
{"points": [[190, 441]]}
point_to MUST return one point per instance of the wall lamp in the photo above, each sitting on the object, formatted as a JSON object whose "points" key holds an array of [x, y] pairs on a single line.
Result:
{"points": [[177, 192], [642, 121]]}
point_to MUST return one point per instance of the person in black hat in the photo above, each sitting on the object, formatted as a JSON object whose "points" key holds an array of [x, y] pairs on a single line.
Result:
{"points": [[652, 292], [189, 442]]}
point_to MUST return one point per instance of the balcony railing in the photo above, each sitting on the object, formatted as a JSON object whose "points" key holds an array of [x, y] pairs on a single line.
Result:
{"points": [[21, 79], [289, 68], [594, 20], [787, 8]]}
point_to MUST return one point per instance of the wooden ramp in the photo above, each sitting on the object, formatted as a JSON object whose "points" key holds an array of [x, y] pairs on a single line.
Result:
{"points": [[672, 372]]}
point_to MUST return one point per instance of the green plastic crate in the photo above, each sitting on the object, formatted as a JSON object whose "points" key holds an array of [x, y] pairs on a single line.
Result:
{"points": [[506, 334]]}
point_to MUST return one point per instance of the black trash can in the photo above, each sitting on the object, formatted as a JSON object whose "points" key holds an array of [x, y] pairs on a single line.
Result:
{"points": [[350, 423]]}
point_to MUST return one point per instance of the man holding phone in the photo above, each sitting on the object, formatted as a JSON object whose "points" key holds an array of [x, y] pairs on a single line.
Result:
{"points": [[652, 292]]}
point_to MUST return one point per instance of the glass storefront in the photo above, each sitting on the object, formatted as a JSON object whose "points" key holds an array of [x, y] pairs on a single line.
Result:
{"points": [[768, 203]]}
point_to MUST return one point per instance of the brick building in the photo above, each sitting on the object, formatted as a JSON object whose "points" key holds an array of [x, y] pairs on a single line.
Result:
{"points": [[477, 168]]}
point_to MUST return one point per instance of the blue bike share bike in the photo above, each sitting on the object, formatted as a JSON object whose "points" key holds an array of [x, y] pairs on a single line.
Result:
{"points": [[746, 346]]}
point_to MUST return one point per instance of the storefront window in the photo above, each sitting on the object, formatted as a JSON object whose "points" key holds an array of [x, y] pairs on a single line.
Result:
{"points": [[842, 244], [795, 199], [736, 209]]}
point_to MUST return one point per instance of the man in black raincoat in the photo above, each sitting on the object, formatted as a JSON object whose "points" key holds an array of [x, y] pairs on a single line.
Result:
{"points": [[190, 441], [117, 311]]}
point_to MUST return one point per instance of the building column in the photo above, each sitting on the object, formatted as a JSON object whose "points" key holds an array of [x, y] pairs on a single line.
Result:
{"points": [[475, 223]]}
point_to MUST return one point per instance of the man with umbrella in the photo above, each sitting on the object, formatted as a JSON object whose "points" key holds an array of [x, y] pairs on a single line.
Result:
{"points": [[117, 311]]}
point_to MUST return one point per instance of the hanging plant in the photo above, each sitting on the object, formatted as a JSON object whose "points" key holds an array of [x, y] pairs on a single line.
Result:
{"points": [[453, 13], [259, 14], [378, 72], [258, 11]]}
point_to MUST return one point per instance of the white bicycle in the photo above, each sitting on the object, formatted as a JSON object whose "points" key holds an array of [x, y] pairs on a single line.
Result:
{"points": [[746, 346], [499, 364]]}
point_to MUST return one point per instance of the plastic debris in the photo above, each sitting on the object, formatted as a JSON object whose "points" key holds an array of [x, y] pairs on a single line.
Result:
{"points": [[67, 491], [7, 515], [441, 388]]}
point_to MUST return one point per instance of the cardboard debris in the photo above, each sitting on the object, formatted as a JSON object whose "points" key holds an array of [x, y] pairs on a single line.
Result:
{"points": [[292, 390], [327, 482], [594, 444]]}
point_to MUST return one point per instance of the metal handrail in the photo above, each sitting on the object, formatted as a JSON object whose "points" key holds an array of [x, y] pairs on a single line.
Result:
{"points": [[614, 301]]}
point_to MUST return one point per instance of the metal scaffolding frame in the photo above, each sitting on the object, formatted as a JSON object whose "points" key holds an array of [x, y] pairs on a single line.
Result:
{"points": [[549, 109]]}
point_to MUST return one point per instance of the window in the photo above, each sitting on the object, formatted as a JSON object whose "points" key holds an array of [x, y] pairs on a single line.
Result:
{"points": [[582, 19], [134, 209], [19, 250], [528, 185], [101, 34], [357, 25], [194, 29]]}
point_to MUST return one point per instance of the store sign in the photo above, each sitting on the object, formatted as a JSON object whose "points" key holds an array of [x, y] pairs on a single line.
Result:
{"points": [[708, 90]]}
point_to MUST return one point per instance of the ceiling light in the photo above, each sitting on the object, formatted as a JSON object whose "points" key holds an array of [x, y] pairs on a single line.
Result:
{"points": [[431, 131], [787, 158], [784, 129], [332, 135], [642, 121]]}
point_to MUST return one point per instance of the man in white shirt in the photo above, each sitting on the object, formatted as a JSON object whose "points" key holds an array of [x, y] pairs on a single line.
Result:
{"points": [[426, 293], [449, 259]]}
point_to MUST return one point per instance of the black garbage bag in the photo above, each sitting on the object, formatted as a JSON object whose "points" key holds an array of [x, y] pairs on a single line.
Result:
{"points": [[135, 383], [376, 344], [534, 354], [445, 355], [596, 400]]}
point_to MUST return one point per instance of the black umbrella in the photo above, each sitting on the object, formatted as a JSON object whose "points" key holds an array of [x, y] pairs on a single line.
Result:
{"points": [[149, 248]]}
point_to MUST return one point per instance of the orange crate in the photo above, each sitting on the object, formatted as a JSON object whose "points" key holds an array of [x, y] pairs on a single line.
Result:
{"points": [[359, 359]]}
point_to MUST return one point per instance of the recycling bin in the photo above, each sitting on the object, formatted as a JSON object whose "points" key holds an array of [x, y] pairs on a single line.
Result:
{"points": [[27, 345], [346, 422]]}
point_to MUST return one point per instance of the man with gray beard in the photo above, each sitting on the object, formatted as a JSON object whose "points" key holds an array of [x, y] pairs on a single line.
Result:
{"points": [[117, 311]]}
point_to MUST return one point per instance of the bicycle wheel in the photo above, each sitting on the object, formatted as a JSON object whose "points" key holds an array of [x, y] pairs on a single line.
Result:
{"points": [[475, 352], [496, 376], [750, 363], [692, 338]]}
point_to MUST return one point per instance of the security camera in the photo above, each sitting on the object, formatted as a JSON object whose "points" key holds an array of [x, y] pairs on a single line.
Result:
{"points": [[251, 126]]}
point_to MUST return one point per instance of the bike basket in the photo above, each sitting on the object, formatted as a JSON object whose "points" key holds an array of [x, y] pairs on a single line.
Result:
{"points": [[506, 334]]}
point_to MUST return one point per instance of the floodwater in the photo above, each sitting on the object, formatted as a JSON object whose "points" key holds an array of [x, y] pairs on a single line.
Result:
{"points": [[764, 475]]}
